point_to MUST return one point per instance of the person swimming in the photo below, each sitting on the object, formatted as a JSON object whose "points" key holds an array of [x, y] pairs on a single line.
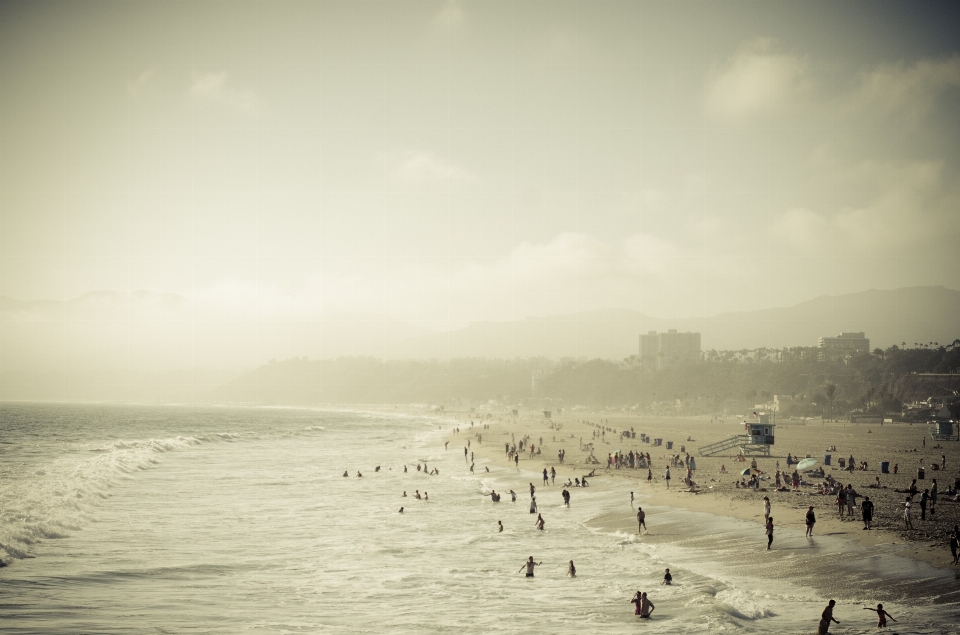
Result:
{"points": [[500, 526], [667, 578], [345, 473], [539, 523], [401, 510], [571, 570], [404, 494]]}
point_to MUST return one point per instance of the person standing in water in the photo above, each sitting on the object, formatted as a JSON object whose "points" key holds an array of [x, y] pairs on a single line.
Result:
{"points": [[769, 532], [667, 578], [533, 505], [530, 564], [571, 570], [637, 600], [641, 521], [881, 615], [539, 523], [646, 606], [826, 617], [500, 526], [810, 519]]}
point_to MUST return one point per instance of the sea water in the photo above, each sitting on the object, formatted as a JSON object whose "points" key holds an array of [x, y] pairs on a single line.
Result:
{"points": [[121, 519]]}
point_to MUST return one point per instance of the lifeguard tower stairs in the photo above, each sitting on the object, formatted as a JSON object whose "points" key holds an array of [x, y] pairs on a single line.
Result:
{"points": [[757, 440]]}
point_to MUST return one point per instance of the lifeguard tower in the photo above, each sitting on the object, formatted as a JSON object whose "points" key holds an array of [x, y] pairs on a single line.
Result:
{"points": [[757, 438]]}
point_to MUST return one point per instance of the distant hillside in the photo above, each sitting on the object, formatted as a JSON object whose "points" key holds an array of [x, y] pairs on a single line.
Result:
{"points": [[912, 314]]}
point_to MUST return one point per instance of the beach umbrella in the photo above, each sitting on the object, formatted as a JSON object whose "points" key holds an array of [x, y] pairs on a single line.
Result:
{"points": [[806, 464], [747, 472]]}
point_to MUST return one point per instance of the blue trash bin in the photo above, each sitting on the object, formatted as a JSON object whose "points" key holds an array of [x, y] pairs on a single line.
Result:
{"points": [[884, 467], [669, 445], [826, 459]]}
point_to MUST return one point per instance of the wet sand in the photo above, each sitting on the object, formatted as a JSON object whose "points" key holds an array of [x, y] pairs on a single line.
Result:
{"points": [[900, 444]]}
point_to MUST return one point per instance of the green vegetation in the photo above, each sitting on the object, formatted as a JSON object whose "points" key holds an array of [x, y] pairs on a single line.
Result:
{"points": [[726, 381]]}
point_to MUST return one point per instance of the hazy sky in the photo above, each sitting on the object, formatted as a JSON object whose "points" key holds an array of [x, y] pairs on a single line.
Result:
{"points": [[447, 162]]}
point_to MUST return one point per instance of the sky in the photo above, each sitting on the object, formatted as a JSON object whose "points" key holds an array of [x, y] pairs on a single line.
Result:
{"points": [[451, 162]]}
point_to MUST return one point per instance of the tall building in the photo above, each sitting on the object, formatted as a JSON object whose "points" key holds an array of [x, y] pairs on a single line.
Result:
{"points": [[843, 345], [663, 350]]}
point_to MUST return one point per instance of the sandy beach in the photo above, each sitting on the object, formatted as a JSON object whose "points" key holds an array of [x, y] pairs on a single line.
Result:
{"points": [[903, 445]]}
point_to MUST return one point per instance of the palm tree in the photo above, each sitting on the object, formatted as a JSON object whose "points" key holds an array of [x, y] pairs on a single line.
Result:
{"points": [[831, 390]]}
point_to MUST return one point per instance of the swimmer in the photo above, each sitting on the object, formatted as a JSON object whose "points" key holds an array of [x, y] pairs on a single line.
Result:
{"points": [[533, 505], [513, 496], [881, 614], [500, 526], [667, 578], [826, 617], [345, 473], [641, 521], [401, 510], [638, 600], [539, 523], [571, 570], [425, 497], [487, 468], [530, 564], [404, 469], [631, 499], [416, 495], [359, 475], [376, 469], [404, 494]]}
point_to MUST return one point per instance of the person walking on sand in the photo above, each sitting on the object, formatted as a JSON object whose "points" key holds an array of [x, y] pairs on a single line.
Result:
{"points": [[881, 615], [826, 617], [866, 510], [769, 532], [571, 570], [666, 476], [641, 521], [546, 477], [924, 499], [955, 544], [530, 564], [766, 507], [810, 520], [933, 498]]}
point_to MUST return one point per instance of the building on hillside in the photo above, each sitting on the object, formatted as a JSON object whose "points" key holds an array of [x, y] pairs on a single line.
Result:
{"points": [[663, 350], [843, 345]]}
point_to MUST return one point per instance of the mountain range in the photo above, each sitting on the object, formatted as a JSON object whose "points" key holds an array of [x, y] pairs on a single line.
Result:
{"points": [[148, 331]]}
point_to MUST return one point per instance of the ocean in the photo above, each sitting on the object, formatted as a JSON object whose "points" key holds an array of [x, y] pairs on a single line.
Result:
{"points": [[169, 519]]}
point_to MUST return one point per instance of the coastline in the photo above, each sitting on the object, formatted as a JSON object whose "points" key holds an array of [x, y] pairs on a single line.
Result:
{"points": [[718, 495]]}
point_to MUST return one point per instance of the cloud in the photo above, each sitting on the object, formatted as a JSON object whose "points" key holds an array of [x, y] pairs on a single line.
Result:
{"points": [[215, 88], [906, 205], [141, 83], [419, 168], [908, 90], [756, 81], [450, 16]]}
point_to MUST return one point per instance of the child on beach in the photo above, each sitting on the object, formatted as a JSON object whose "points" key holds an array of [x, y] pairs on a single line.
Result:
{"points": [[667, 578], [810, 520], [881, 614]]}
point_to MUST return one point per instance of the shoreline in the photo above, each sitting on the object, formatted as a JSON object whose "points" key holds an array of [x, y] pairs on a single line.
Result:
{"points": [[717, 494]]}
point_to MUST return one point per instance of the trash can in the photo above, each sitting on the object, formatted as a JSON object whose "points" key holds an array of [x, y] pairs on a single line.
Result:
{"points": [[683, 449], [956, 483], [669, 445], [633, 435], [843, 463], [826, 459], [921, 475], [658, 441], [884, 467]]}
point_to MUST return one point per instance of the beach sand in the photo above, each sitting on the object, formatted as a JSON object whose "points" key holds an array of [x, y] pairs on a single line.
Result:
{"points": [[900, 444]]}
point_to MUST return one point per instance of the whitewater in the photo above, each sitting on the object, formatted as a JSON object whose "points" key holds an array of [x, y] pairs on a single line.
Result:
{"points": [[168, 519]]}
